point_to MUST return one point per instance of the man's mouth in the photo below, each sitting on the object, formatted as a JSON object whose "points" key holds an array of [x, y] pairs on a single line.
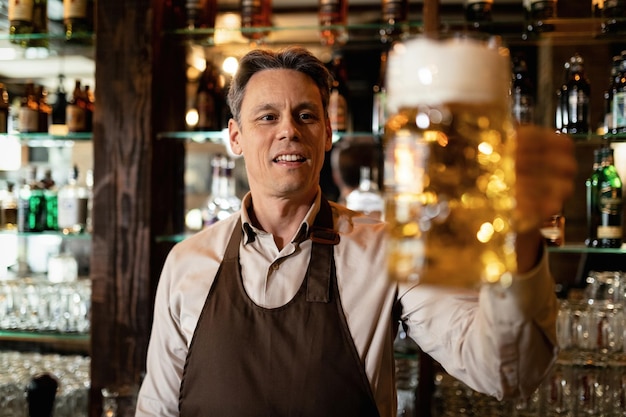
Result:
{"points": [[290, 158]]}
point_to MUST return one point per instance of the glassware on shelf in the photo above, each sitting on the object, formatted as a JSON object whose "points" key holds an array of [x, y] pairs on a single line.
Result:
{"points": [[223, 200], [366, 198]]}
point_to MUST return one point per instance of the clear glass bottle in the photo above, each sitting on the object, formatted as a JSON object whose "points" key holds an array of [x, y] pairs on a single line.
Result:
{"points": [[255, 16], [333, 17], [522, 93], [574, 98], [73, 201], [223, 200], [367, 198], [8, 207]]}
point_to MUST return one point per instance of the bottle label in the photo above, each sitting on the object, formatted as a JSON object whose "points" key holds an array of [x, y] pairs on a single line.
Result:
{"points": [[28, 120], [609, 232], [72, 213], [619, 110], [21, 10], [75, 118], [74, 9]]}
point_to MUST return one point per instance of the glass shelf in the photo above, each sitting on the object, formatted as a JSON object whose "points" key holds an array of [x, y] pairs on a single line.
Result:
{"points": [[47, 140], [582, 249], [72, 236], [74, 339], [222, 136], [561, 31], [59, 36]]}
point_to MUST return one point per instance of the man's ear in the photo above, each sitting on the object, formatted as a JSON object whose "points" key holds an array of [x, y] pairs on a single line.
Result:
{"points": [[233, 136]]}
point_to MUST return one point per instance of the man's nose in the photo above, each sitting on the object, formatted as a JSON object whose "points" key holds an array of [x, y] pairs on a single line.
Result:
{"points": [[289, 128]]}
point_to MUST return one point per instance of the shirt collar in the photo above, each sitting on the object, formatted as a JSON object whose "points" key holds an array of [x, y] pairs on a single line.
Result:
{"points": [[303, 232]]}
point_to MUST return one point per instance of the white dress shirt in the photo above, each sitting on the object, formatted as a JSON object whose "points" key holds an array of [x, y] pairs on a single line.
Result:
{"points": [[498, 341]]}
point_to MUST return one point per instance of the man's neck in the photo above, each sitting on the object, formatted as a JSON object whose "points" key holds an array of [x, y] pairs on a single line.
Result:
{"points": [[280, 217]]}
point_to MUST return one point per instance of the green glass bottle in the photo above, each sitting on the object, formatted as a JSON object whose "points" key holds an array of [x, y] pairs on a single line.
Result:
{"points": [[610, 203]]}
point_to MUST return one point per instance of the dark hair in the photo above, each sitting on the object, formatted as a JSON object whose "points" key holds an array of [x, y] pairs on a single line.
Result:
{"points": [[294, 58]]}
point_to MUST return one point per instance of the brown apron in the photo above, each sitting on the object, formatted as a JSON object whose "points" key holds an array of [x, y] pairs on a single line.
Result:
{"points": [[295, 360]]}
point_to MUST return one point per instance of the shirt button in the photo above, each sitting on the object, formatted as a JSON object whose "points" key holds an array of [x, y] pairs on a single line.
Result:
{"points": [[275, 267]]}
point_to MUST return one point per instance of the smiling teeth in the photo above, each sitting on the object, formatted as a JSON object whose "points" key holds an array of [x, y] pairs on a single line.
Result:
{"points": [[289, 158]]}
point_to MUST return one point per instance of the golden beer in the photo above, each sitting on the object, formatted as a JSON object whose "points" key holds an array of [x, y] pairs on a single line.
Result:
{"points": [[449, 164]]}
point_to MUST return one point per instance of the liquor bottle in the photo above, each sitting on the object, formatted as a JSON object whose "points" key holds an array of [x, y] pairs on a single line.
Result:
{"points": [[88, 105], [8, 207], [44, 109], [591, 196], [20, 19], [333, 17], [75, 110], [28, 118], [223, 200], [366, 198], [610, 204], [614, 79], [379, 102], [209, 99], [78, 19], [40, 23], [619, 98], [538, 12], [522, 93], [31, 205], [48, 185], [200, 13], [478, 11], [256, 18], [614, 15], [60, 104], [73, 201], [395, 14], [406, 359], [338, 110], [575, 96], [40, 393], [4, 109]]}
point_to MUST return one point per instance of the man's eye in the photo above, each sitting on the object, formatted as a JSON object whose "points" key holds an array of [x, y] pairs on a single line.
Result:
{"points": [[307, 116], [268, 117]]}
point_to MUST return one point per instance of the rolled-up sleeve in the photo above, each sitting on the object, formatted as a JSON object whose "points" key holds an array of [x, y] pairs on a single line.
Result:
{"points": [[499, 341]]}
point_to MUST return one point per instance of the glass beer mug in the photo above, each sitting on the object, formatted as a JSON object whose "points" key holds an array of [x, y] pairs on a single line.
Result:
{"points": [[449, 162]]}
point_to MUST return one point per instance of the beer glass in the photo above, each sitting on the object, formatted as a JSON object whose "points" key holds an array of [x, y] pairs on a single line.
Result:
{"points": [[449, 162]]}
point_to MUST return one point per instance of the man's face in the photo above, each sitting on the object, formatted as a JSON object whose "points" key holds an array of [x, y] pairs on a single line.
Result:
{"points": [[283, 134]]}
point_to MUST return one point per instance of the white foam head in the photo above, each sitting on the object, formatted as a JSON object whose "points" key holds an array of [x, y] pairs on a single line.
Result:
{"points": [[425, 71]]}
